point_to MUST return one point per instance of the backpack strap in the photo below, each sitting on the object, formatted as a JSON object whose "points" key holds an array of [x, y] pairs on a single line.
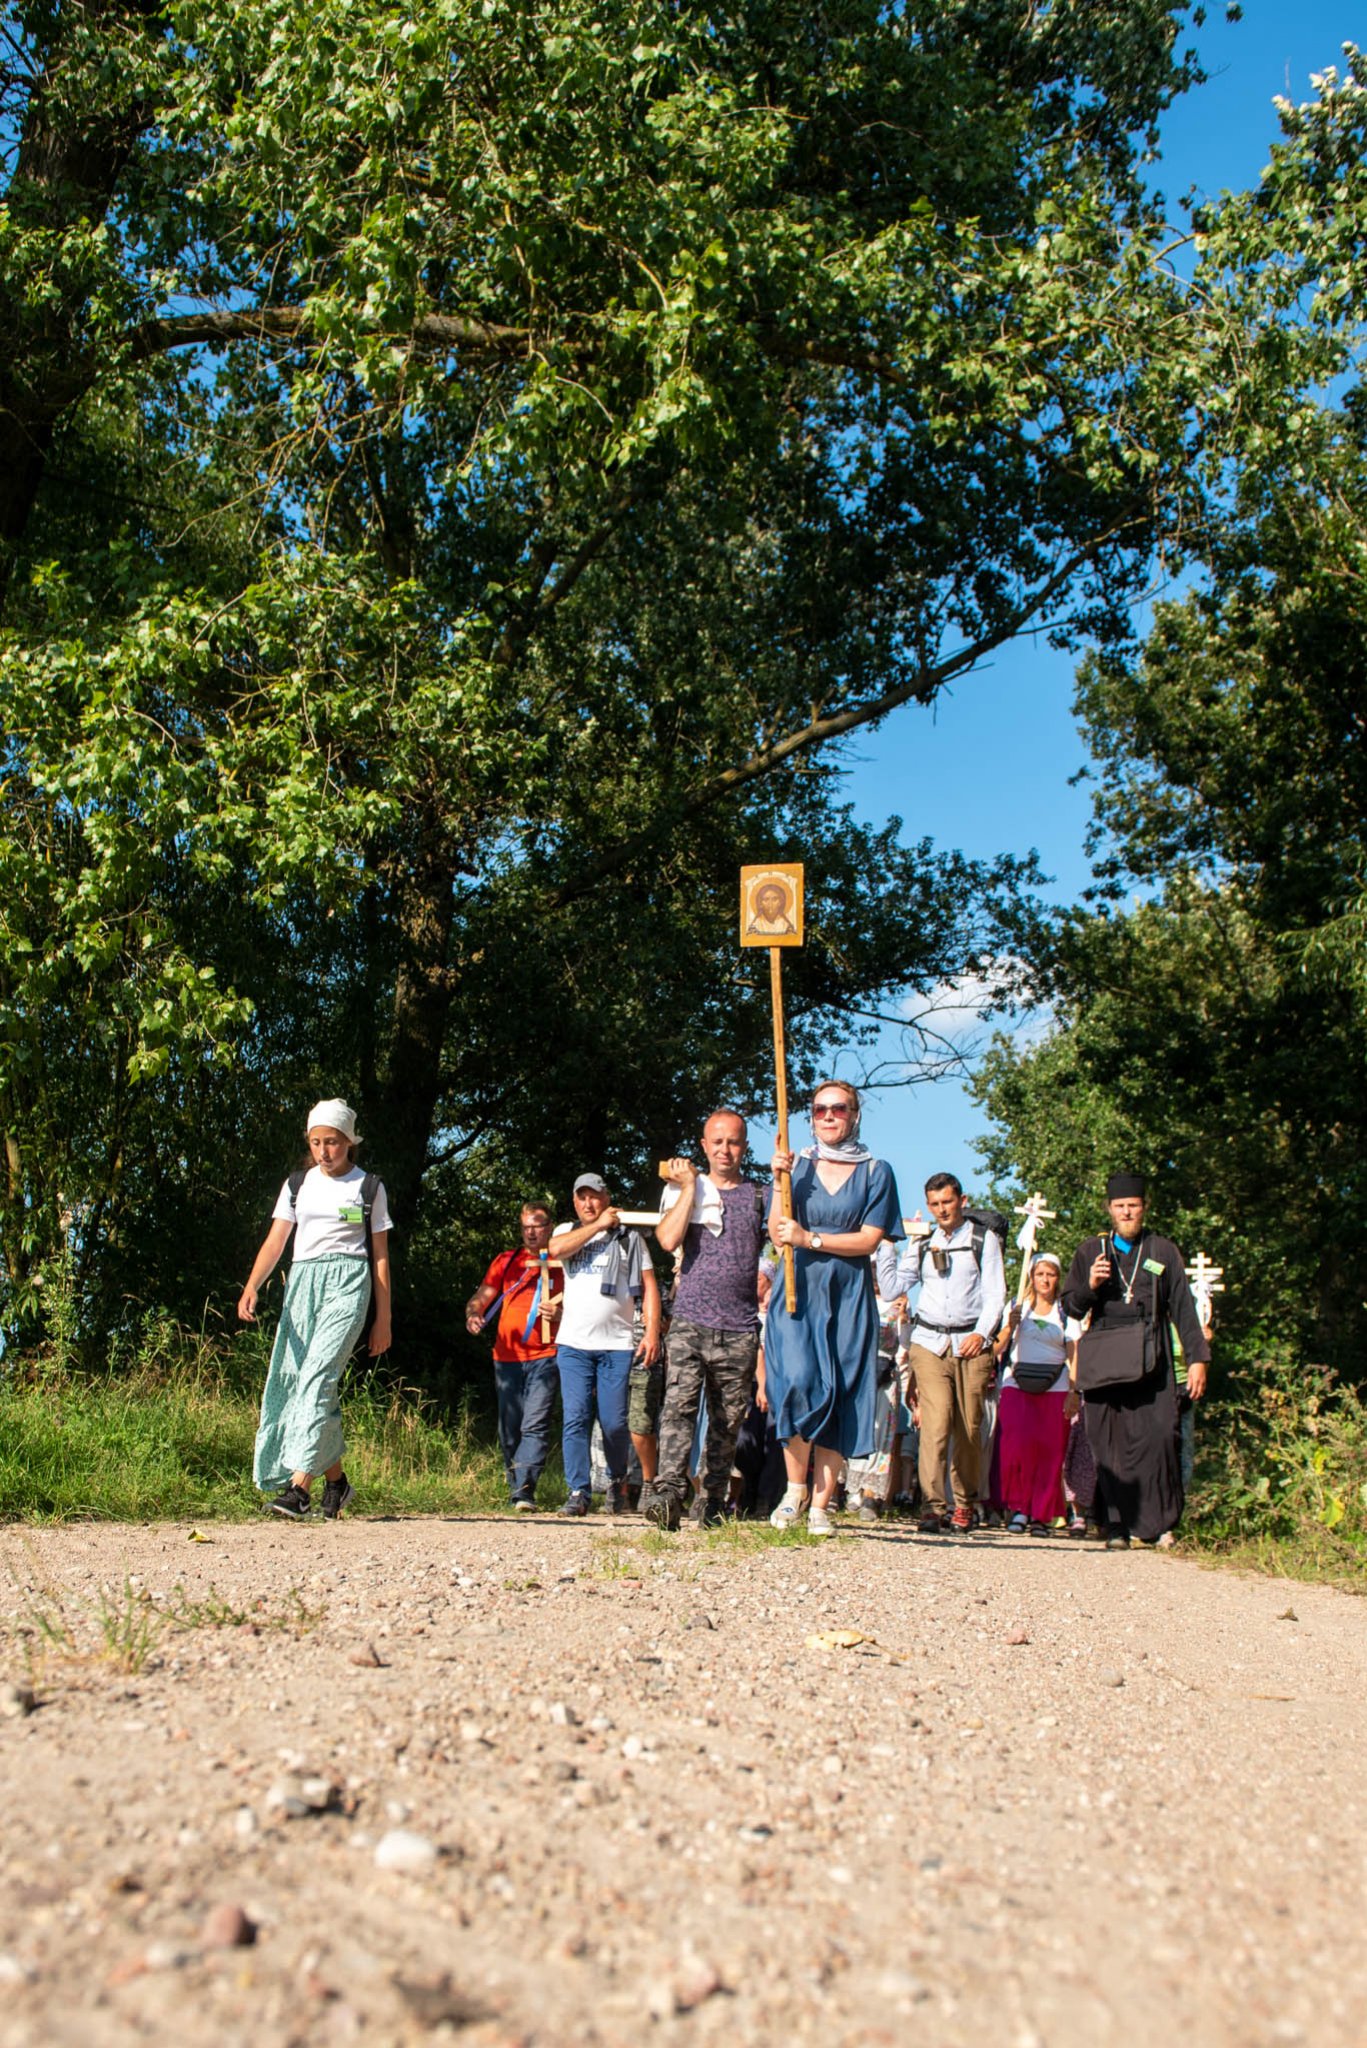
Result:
{"points": [[295, 1182], [370, 1187], [977, 1240]]}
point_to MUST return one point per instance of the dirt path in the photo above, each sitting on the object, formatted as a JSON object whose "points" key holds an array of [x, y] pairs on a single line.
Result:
{"points": [[1060, 1797]]}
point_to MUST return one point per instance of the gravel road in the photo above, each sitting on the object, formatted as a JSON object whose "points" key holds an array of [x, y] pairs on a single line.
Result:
{"points": [[534, 1782]]}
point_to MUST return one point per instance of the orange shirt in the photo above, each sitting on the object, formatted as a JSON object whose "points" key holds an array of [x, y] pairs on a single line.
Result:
{"points": [[516, 1272]]}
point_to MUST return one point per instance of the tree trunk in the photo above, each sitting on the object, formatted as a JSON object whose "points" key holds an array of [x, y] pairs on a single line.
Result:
{"points": [[405, 1104]]}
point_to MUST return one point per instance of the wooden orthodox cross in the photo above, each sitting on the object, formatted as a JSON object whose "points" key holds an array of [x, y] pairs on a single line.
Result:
{"points": [[1205, 1281], [771, 915], [1035, 1213]]}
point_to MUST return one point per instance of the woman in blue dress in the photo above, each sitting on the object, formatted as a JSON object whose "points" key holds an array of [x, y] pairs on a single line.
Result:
{"points": [[821, 1364]]}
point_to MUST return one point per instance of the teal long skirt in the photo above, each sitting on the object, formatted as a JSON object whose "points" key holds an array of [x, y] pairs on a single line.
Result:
{"points": [[301, 1412]]}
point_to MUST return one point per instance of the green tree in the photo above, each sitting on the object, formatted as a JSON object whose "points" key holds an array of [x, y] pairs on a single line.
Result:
{"points": [[1217, 1034], [472, 472]]}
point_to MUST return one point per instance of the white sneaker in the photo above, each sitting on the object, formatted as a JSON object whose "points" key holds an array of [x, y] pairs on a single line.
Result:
{"points": [[784, 1515], [819, 1522]]}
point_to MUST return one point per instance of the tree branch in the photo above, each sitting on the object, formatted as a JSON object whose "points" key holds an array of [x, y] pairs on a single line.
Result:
{"points": [[921, 687], [292, 323], [445, 330]]}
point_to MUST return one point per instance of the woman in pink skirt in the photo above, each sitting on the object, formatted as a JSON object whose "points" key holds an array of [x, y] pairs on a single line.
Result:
{"points": [[1038, 1353]]}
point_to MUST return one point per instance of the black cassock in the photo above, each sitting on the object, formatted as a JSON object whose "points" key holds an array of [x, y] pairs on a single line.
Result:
{"points": [[1133, 1429]]}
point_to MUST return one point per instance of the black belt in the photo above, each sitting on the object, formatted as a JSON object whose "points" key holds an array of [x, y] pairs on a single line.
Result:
{"points": [[946, 1329]]}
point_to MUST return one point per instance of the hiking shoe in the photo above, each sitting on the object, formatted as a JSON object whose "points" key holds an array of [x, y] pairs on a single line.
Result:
{"points": [[930, 1523], [337, 1494], [711, 1514], [961, 1521], [577, 1504], [615, 1500], [661, 1510], [294, 1502], [819, 1522]]}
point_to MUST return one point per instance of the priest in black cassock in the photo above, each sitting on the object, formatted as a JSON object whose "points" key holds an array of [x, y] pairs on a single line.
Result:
{"points": [[1128, 1276]]}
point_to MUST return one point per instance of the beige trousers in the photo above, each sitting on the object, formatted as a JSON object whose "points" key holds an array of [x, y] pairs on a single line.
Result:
{"points": [[951, 1393]]}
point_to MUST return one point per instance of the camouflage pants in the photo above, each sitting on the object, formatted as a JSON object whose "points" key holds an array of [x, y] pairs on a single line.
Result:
{"points": [[722, 1362]]}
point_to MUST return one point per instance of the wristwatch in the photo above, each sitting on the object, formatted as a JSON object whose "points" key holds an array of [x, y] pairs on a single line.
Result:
{"points": [[817, 1241]]}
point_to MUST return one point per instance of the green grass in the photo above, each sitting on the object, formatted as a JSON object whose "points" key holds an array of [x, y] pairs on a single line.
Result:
{"points": [[176, 1444], [1315, 1555], [124, 1628]]}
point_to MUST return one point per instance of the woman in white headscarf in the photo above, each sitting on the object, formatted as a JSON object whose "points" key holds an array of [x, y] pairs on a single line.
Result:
{"points": [[821, 1363], [339, 1219], [1037, 1351]]}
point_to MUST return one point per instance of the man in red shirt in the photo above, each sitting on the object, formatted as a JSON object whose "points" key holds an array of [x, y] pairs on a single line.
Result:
{"points": [[529, 1294]]}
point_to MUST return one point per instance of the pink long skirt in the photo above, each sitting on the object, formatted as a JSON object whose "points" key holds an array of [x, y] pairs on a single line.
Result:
{"points": [[1032, 1436]]}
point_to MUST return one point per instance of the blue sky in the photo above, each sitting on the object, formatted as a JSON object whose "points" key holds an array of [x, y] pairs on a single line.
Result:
{"points": [[990, 764]]}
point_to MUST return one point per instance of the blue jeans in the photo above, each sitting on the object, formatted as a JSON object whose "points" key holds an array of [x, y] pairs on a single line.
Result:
{"points": [[526, 1396], [589, 1378]]}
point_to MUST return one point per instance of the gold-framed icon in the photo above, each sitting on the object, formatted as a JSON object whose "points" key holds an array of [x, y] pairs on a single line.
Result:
{"points": [[771, 904]]}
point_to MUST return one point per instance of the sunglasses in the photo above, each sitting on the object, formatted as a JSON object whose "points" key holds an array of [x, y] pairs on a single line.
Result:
{"points": [[830, 1109]]}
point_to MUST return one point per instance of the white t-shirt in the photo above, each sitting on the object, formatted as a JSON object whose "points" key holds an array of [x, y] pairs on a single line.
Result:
{"points": [[1043, 1340], [328, 1214], [592, 1320]]}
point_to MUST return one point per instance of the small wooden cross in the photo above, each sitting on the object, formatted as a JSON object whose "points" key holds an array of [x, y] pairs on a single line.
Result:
{"points": [[1205, 1281], [1035, 1213], [548, 1265]]}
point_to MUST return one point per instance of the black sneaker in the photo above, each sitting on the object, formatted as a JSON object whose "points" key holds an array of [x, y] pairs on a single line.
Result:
{"points": [[708, 1513], [1117, 1538], [615, 1500], [294, 1502], [525, 1502], [577, 1504], [337, 1494], [661, 1510]]}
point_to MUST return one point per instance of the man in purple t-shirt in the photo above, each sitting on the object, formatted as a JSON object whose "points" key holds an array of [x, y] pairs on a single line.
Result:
{"points": [[718, 1218]]}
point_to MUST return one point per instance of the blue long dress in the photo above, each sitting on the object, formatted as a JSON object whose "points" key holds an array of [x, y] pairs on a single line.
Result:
{"points": [[821, 1365]]}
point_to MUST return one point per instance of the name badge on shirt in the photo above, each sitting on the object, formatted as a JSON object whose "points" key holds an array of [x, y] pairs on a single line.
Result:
{"points": [[351, 1213], [1153, 1265]]}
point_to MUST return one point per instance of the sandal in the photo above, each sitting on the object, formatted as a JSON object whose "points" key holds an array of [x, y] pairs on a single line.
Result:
{"points": [[1018, 1525], [1077, 1524]]}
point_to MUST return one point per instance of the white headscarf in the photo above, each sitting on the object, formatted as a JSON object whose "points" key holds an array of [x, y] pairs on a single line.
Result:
{"points": [[336, 1115]]}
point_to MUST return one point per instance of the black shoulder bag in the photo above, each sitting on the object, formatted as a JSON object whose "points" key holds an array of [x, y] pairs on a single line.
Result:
{"points": [[1119, 1354]]}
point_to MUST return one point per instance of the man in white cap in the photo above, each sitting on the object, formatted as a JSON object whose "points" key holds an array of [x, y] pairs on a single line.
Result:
{"points": [[607, 1272]]}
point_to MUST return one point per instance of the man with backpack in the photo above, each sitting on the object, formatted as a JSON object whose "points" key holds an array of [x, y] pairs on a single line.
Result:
{"points": [[958, 1311]]}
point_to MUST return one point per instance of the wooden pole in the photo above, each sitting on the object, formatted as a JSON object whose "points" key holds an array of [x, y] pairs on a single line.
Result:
{"points": [[785, 1180]]}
